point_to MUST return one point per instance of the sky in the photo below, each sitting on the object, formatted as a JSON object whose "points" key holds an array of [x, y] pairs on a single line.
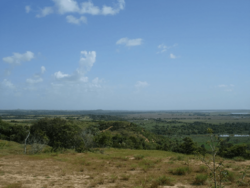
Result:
{"points": [[124, 54]]}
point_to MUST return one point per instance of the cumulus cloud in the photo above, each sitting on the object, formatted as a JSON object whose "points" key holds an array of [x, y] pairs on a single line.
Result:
{"points": [[27, 9], [172, 56], [74, 20], [8, 84], [17, 58], [34, 81], [72, 6], [59, 75], [45, 11], [43, 69], [85, 64], [66, 6], [140, 84], [130, 42]]}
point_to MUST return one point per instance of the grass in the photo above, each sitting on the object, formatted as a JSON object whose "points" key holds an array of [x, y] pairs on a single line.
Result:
{"points": [[139, 157], [231, 177], [181, 171], [202, 168], [114, 168], [162, 180], [200, 179], [238, 159], [14, 185]]}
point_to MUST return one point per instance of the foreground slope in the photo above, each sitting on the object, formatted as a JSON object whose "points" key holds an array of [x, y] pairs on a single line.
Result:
{"points": [[107, 168]]}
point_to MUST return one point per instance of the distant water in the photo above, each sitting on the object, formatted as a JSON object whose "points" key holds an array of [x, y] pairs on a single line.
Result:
{"points": [[236, 135], [240, 113]]}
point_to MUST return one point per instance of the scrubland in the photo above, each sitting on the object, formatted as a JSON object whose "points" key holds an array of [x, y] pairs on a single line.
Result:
{"points": [[111, 167]]}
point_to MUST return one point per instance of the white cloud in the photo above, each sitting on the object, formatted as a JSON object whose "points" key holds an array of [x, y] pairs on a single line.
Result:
{"points": [[140, 84], [8, 84], [66, 6], [85, 65], [109, 10], [130, 42], [172, 56], [43, 69], [27, 9], [36, 77], [90, 8], [87, 61], [45, 11], [59, 75], [17, 58], [71, 6], [34, 81], [73, 20]]}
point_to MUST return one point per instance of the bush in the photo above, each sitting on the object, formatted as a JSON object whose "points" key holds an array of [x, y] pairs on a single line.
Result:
{"points": [[231, 177], [61, 133], [138, 157], [16, 133], [181, 171], [234, 151], [200, 179], [162, 180], [238, 159], [202, 168]]}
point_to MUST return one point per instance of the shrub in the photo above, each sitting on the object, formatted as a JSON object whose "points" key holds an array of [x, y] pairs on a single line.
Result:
{"points": [[13, 132], [178, 158], [181, 171], [138, 157], [242, 183], [231, 176], [202, 168], [61, 133], [162, 180], [238, 159], [200, 179]]}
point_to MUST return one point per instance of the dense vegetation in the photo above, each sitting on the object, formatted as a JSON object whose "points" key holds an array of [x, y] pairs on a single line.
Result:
{"points": [[71, 134], [200, 128]]}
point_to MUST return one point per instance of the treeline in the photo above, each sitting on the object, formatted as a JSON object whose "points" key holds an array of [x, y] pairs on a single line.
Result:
{"points": [[201, 127], [62, 134]]}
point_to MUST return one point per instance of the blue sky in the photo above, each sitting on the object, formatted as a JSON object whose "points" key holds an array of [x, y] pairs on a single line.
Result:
{"points": [[124, 54]]}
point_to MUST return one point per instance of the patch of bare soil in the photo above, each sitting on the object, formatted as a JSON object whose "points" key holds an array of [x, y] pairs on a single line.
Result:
{"points": [[38, 173]]}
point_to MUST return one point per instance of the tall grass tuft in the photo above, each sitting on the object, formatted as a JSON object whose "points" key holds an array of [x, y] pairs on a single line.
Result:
{"points": [[181, 171], [139, 157], [200, 179], [162, 180]]}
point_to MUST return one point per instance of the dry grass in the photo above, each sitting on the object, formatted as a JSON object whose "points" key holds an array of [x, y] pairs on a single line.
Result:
{"points": [[114, 168]]}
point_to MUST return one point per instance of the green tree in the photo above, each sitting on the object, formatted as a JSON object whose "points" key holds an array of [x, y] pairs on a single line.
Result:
{"points": [[104, 139]]}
